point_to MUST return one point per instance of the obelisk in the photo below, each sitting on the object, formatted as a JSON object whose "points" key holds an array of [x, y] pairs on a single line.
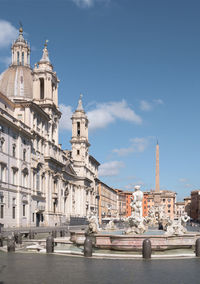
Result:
{"points": [[157, 186]]}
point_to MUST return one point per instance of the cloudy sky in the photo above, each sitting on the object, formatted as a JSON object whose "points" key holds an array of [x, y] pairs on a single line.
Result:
{"points": [[137, 63]]}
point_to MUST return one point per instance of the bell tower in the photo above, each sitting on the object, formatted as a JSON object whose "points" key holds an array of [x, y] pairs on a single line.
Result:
{"points": [[45, 92], [20, 50], [79, 141], [45, 82]]}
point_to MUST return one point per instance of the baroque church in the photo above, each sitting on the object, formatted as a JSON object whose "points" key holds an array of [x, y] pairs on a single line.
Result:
{"points": [[40, 183]]}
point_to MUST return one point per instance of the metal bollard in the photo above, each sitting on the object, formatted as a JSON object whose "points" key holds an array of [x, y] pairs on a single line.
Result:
{"points": [[31, 235], [88, 246], [197, 247], [54, 233], [50, 244], [11, 244], [146, 249]]}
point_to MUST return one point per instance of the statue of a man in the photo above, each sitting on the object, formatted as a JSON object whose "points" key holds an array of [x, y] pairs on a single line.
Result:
{"points": [[136, 203]]}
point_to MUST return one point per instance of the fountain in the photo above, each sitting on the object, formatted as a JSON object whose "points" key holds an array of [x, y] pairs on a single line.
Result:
{"points": [[173, 236]]}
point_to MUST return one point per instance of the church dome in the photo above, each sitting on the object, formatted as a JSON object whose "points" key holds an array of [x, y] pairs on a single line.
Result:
{"points": [[17, 82]]}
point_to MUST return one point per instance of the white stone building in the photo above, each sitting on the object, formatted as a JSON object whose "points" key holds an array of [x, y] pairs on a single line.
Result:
{"points": [[40, 184]]}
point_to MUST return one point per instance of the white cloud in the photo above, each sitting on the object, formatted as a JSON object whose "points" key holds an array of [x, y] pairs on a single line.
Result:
{"points": [[65, 121], [102, 115], [158, 101], [110, 168], [145, 106], [88, 3], [7, 33], [137, 145], [148, 106], [83, 3], [106, 113], [131, 186], [183, 180]]}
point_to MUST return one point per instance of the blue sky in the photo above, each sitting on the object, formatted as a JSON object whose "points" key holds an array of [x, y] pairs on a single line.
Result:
{"points": [[138, 65]]}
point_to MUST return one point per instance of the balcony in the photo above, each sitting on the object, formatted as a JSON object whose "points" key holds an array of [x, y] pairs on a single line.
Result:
{"points": [[40, 209]]}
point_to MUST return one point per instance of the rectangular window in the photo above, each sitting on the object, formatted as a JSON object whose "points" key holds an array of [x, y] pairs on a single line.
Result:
{"points": [[34, 177], [13, 212], [2, 212], [41, 88], [2, 144], [33, 217], [14, 151], [14, 177], [78, 152], [2, 173], [38, 181], [1, 128], [24, 210]]}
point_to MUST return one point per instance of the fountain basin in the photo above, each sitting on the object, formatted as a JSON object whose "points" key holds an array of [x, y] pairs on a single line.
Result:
{"points": [[134, 242]]}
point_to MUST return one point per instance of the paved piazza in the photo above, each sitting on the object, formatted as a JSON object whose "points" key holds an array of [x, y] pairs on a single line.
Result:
{"points": [[41, 269]]}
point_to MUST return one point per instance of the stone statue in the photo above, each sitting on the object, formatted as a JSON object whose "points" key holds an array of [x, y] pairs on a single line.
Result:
{"points": [[177, 227], [136, 203], [156, 215], [136, 220], [111, 225], [93, 226]]}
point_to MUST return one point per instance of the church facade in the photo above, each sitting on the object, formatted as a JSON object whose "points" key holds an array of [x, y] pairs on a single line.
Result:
{"points": [[40, 183]]}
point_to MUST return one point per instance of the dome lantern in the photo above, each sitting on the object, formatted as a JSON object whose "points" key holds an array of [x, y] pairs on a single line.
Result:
{"points": [[20, 50]]}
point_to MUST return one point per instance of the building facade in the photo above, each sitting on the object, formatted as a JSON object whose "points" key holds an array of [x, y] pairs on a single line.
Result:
{"points": [[187, 202], [121, 203], [40, 183], [195, 205], [179, 209], [167, 199], [107, 202]]}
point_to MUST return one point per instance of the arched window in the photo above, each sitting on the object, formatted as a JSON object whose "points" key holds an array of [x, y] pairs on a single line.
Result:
{"points": [[24, 155], [78, 128], [22, 58], [41, 88], [18, 57]]}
